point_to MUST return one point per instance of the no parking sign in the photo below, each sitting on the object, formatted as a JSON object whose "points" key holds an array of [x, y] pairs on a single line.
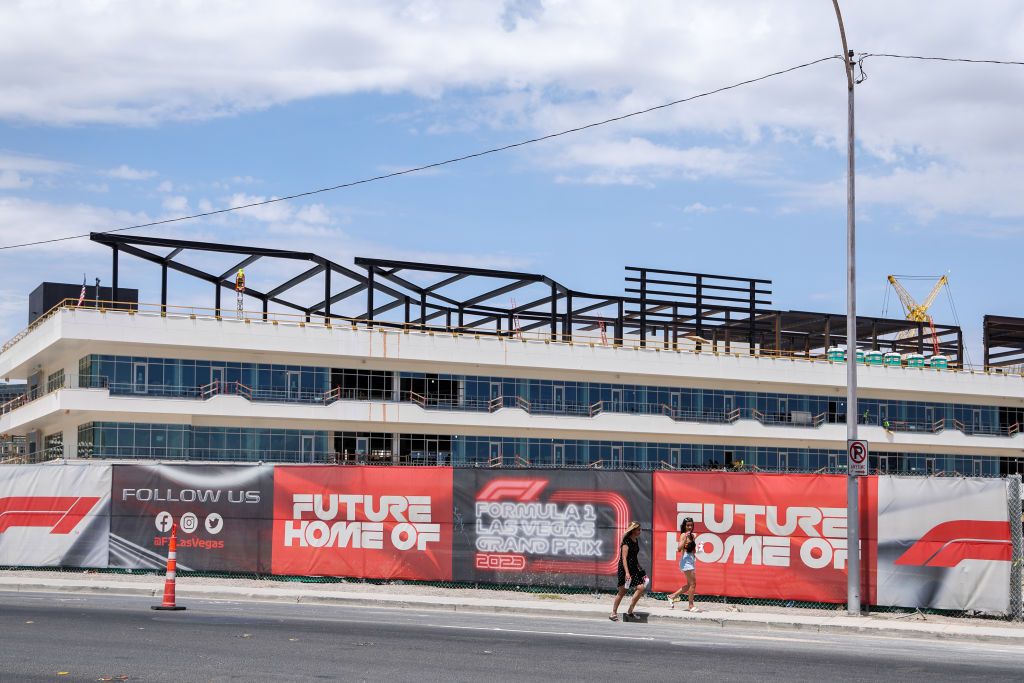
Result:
{"points": [[857, 457]]}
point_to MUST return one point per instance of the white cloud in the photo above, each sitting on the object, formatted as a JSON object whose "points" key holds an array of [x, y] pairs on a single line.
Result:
{"points": [[125, 172], [546, 66], [165, 186], [697, 207], [314, 213], [267, 213], [31, 164], [24, 220], [638, 161], [927, 192], [640, 153], [12, 180], [175, 203], [17, 171]]}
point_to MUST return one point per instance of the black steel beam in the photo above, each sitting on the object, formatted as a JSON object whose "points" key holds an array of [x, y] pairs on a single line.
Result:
{"points": [[511, 287], [380, 309], [238, 266], [113, 273], [661, 271], [694, 285], [113, 240], [450, 270], [297, 280], [447, 281], [340, 296]]}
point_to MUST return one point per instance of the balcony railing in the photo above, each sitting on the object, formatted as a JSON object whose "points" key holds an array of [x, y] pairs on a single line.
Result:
{"points": [[799, 419], [789, 419]]}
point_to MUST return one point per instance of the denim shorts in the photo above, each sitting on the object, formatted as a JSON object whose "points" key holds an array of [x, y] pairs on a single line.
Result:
{"points": [[688, 563]]}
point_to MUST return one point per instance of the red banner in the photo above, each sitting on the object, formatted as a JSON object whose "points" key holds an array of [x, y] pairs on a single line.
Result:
{"points": [[370, 522], [771, 536]]}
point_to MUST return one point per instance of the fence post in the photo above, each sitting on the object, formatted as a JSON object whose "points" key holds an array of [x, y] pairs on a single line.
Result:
{"points": [[1017, 544]]}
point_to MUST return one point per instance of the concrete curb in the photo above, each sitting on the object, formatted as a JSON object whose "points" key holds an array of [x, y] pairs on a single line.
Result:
{"points": [[725, 620]]}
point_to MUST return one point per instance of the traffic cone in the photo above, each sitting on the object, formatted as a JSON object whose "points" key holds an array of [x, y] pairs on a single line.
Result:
{"points": [[172, 566]]}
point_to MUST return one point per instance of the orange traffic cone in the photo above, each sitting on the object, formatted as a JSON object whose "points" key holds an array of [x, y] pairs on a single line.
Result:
{"points": [[172, 566]]}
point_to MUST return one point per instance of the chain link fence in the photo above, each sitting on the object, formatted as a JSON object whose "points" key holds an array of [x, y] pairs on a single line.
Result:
{"points": [[1013, 499], [602, 591]]}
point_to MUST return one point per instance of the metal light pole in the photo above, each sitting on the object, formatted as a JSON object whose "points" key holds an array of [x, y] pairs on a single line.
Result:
{"points": [[852, 482]]}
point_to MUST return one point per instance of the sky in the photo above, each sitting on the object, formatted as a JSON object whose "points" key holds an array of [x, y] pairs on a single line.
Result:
{"points": [[116, 112]]}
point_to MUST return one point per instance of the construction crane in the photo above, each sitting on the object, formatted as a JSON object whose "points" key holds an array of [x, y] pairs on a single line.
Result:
{"points": [[918, 312]]}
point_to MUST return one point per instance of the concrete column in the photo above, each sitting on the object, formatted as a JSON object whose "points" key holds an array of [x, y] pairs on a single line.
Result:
{"points": [[395, 445], [70, 435], [396, 386]]}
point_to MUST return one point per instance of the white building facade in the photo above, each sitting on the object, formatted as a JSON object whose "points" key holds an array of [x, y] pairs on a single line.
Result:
{"points": [[156, 384]]}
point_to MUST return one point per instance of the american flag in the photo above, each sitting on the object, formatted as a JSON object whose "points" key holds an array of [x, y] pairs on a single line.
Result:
{"points": [[81, 296]]}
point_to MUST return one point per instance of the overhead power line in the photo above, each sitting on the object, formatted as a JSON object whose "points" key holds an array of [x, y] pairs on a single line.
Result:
{"points": [[940, 59], [465, 157]]}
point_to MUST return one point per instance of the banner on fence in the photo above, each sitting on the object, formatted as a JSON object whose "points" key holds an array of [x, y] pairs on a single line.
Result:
{"points": [[53, 516], [943, 543], [547, 527], [928, 542], [774, 536], [223, 515], [370, 522]]}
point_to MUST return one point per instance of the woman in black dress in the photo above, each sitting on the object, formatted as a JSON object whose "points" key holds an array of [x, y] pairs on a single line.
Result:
{"points": [[631, 574]]}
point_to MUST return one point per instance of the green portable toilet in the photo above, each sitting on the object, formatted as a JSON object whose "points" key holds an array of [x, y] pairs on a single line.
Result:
{"points": [[860, 356], [940, 362], [836, 354], [915, 360], [892, 360], [873, 357]]}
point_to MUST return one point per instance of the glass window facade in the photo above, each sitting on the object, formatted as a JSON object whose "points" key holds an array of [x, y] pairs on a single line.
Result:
{"points": [[188, 442], [144, 376], [472, 451], [185, 378], [55, 381], [464, 392], [53, 446]]}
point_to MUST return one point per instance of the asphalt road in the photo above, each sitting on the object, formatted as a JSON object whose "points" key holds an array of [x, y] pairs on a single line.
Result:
{"points": [[92, 638]]}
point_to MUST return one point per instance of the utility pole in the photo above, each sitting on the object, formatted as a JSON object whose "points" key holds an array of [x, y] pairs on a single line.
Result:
{"points": [[852, 481]]}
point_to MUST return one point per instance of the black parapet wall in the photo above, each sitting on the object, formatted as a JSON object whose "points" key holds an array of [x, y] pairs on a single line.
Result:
{"points": [[49, 294]]}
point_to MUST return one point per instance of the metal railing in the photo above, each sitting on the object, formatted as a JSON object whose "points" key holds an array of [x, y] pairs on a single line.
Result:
{"points": [[918, 426], [986, 429], [444, 402], [682, 346], [788, 419]]}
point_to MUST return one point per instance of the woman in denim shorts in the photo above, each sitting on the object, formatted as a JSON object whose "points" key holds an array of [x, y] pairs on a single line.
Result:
{"points": [[687, 549]]}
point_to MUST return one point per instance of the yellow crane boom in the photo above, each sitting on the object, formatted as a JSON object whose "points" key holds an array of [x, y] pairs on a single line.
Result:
{"points": [[918, 312]]}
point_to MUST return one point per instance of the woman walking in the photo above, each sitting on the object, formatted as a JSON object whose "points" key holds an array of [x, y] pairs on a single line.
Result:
{"points": [[631, 574], [687, 548]]}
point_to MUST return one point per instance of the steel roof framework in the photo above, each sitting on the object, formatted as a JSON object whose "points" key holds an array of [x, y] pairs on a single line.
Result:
{"points": [[1003, 341], [659, 307]]}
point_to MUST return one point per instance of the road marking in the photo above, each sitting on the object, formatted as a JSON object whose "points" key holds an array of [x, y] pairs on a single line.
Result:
{"points": [[543, 633], [778, 638]]}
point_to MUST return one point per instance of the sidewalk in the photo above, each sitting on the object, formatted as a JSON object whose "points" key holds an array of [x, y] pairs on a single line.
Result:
{"points": [[763, 618]]}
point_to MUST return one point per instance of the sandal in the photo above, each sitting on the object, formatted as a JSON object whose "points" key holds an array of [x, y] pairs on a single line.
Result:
{"points": [[694, 609], [613, 617]]}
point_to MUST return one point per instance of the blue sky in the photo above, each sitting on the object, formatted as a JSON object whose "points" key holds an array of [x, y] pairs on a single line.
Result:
{"points": [[121, 114]]}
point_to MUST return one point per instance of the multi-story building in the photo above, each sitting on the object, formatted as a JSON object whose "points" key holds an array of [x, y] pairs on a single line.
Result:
{"points": [[410, 363], [12, 448]]}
